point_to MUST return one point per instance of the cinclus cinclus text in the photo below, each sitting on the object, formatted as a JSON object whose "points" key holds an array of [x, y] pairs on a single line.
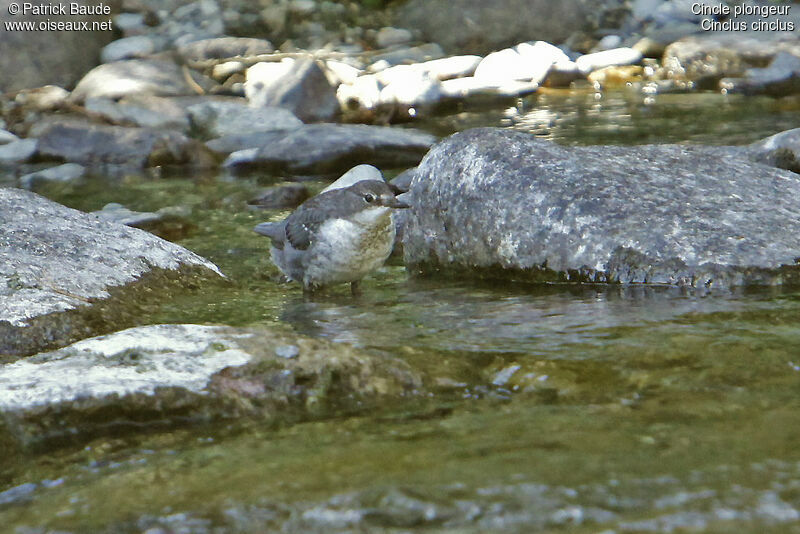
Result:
{"points": [[337, 236]]}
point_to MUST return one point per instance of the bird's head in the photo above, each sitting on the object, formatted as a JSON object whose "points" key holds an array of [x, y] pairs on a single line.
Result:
{"points": [[375, 194]]}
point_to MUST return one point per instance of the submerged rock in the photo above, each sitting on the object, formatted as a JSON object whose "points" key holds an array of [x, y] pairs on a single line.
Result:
{"points": [[505, 204], [181, 373], [18, 151], [281, 197], [63, 272], [321, 148], [92, 144], [68, 172]]}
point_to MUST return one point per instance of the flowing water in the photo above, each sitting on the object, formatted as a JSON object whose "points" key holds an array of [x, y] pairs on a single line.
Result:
{"points": [[550, 408]]}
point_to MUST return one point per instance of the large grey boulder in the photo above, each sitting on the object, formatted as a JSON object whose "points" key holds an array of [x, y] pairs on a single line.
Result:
{"points": [[66, 275], [478, 27], [323, 148], [176, 374], [32, 58], [505, 204]]}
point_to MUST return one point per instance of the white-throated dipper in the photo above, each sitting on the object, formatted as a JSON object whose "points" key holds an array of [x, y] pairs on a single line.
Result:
{"points": [[337, 236]]}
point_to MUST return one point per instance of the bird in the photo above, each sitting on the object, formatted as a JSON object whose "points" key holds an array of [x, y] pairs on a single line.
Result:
{"points": [[338, 236]]}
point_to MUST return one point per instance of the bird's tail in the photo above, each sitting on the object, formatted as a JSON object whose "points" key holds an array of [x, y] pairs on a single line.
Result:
{"points": [[273, 230]]}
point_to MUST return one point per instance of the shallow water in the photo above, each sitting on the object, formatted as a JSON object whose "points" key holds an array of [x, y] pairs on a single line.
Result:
{"points": [[551, 408]]}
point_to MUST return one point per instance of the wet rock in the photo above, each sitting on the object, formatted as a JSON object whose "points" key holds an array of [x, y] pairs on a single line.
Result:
{"points": [[146, 111], [18, 151], [137, 46], [389, 36], [218, 118], [608, 58], [47, 98], [498, 203], [475, 26], [280, 197], [299, 86], [321, 148], [66, 275], [170, 223], [92, 144], [780, 78], [68, 172], [177, 374], [705, 59], [47, 57], [563, 73], [139, 77], [224, 47], [781, 150]]}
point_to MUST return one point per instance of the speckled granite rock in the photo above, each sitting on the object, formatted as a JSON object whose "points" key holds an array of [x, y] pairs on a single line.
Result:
{"points": [[781, 150], [504, 204], [321, 148], [66, 275], [181, 373]]}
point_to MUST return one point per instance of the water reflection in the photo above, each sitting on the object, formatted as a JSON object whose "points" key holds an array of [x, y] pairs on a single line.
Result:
{"points": [[543, 320]]}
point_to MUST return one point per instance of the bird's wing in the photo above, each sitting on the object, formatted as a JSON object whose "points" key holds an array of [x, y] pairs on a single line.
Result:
{"points": [[302, 226]]}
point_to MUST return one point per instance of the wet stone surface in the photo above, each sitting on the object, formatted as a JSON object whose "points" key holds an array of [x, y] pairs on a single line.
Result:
{"points": [[489, 200]]}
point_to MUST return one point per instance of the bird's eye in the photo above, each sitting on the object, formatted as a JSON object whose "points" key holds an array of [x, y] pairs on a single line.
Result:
{"points": [[369, 197]]}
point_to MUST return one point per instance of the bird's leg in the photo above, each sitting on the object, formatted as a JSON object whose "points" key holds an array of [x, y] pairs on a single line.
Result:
{"points": [[355, 288]]}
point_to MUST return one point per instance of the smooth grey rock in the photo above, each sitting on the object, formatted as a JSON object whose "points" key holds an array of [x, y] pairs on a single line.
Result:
{"points": [[224, 47], [281, 197], [325, 148], [505, 204], [60, 267], [215, 118], [117, 213], [563, 73], [608, 58], [138, 77], [7, 137], [183, 373], [389, 36], [130, 23], [68, 172], [92, 144], [36, 58], [357, 174], [416, 88], [142, 110], [706, 58], [780, 78], [18, 151], [302, 88], [136, 46], [479, 27]]}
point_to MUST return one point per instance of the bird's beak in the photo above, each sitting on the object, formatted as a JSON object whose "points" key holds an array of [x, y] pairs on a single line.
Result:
{"points": [[394, 203]]}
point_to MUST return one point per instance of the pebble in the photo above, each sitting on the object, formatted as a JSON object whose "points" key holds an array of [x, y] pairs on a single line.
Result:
{"points": [[18, 151], [136, 46], [287, 351], [7, 137]]}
